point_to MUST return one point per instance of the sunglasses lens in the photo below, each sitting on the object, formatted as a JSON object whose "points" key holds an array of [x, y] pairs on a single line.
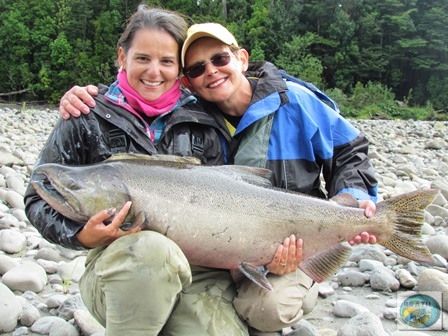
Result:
{"points": [[220, 59], [197, 70]]}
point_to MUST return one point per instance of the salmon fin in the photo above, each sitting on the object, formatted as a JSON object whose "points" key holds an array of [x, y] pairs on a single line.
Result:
{"points": [[406, 239], [138, 220], [326, 263], [253, 175], [256, 273], [155, 158]]}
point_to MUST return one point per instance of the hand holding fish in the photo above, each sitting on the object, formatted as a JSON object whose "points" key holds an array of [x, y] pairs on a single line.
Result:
{"points": [[287, 257], [368, 206], [95, 233], [365, 238]]}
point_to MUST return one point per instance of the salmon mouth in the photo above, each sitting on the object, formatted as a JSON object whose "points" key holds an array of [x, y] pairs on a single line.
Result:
{"points": [[43, 185], [47, 190]]}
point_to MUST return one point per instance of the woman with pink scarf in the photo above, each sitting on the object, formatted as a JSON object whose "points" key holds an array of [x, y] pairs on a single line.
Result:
{"points": [[139, 283]]}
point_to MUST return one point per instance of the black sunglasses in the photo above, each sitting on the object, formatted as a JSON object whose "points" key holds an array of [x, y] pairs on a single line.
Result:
{"points": [[198, 69]]}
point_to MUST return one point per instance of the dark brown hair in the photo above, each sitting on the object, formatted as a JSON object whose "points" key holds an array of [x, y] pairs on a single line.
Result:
{"points": [[154, 18]]}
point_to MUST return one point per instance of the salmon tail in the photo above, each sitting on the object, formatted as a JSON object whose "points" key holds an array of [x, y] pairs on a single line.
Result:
{"points": [[257, 274], [326, 263], [406, 239]]}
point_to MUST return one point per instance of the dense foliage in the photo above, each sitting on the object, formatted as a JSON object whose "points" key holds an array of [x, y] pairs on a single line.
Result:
{"points": [[400, 46]]}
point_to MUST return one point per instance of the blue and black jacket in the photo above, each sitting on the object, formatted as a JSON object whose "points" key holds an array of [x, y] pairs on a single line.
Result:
{"points": [[307, 144]]}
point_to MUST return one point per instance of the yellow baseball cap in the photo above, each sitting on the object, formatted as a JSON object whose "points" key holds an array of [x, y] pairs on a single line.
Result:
{"points": [[213, 30]]}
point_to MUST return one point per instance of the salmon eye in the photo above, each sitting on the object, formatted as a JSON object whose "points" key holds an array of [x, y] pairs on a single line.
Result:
{"points": [[72, 184]]}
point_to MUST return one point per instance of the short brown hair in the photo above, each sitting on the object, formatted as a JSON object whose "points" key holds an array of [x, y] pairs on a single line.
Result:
{"points": [[154, 18]]}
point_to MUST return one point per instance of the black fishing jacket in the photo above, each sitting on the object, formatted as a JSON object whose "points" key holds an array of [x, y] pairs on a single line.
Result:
{"points": [[109, 129]]}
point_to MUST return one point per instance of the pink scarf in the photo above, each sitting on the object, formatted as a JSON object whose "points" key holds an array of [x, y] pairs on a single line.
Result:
{"points": [[150, 108]]}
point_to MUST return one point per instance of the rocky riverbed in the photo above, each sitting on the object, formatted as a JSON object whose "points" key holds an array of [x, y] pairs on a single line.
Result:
{"points": [[38, 287]]}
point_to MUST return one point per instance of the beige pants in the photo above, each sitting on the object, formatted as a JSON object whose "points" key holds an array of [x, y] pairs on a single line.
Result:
{"points": [[274, 310], [142, 285]]}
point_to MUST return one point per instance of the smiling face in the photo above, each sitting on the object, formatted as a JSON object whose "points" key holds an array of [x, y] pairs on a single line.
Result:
{"points": [[151, 62], [218, 84]]}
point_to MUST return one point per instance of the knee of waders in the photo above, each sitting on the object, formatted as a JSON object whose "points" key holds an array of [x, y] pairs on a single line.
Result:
{"points": [[146, 250], [276, 309], [310, 300]]}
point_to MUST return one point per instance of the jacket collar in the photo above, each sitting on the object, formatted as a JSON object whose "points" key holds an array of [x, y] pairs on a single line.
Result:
{"points": [[269, 80]]}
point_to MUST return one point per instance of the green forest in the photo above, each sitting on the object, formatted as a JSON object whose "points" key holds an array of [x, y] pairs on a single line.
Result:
{"points": [[355, 50]]}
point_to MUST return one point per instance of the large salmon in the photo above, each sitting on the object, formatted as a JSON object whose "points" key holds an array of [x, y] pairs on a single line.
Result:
{"points": [[228, 216]]}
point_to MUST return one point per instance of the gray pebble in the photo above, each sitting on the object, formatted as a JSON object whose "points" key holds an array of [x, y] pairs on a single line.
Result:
{"points": [[364, 324], [384, 279]]}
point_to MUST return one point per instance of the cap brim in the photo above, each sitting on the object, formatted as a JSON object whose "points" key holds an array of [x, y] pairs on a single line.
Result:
{"points": [[192, 38]]}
